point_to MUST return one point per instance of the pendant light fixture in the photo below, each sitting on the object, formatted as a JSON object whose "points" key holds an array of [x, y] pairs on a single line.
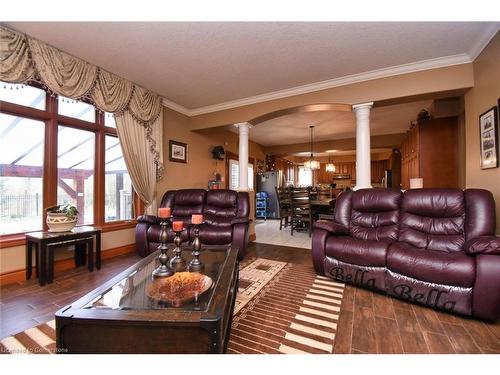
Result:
{"points": [[330, 167], [312, 164]]}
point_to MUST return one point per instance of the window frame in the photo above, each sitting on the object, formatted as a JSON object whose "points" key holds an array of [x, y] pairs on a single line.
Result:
{"points": [[52, 120]]}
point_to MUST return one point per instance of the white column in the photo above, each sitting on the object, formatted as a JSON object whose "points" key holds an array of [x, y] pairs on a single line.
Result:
{"points": [[363, 168], [243, 128]]}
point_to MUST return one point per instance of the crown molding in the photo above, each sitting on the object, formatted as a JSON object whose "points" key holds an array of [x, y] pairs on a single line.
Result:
{"points": [[483, 40], [439, 62], [176, 107]]}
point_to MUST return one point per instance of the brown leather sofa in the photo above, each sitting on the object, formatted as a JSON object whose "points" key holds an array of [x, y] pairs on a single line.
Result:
{"points": [[225, 215], [434, 247]]}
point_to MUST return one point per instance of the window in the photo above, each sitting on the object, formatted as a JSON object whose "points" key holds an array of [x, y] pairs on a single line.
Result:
{"points": [[75, 171], [234, 168], [109, 120], [21, 94], [76, 109], [21, 173], [65, 152], [305, 176], [118, 186]]}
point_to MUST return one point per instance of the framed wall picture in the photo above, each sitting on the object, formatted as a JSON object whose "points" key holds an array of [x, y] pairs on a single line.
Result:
{"points": [[488, 137], [177, 151]]}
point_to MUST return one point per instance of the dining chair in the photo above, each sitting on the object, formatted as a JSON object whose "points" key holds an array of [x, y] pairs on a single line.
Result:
{"points": [[301, 212], [283, 196]]}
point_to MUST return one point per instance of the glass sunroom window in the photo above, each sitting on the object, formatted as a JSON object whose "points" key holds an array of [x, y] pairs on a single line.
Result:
{"points": [[76, 109], [117, 184], [109, 120], [75, 171], [28, 96], [21, 174]]}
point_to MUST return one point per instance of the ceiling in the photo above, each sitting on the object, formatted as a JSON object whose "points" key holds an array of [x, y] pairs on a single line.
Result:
{"points": [[331, 125], [196, 65]]}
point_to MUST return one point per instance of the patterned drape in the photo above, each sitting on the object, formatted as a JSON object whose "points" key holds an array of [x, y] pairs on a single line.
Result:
{"points": [[24, 59]]}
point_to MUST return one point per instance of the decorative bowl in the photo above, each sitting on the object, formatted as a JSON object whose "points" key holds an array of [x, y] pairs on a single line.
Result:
{"points": [[179, 288], [59, 222]]}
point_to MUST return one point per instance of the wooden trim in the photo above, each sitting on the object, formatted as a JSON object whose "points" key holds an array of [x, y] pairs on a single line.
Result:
{"points": [[252, 237], [99, 171], [19, 239], [117, 225], [23, 111], [12, 240], [19, 276]]}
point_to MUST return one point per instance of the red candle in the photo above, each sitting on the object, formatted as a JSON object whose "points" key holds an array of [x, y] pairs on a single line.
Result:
{"points": [[164, 212], [196, 219], [177, 226]]}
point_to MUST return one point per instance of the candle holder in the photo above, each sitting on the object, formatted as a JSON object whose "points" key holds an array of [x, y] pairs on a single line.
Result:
{"points": [[195, 265], [163, 270], [178, 263]]}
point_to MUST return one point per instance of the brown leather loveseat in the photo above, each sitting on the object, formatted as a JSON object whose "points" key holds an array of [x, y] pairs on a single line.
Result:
{"points": [[434, 247], [225, 215]]}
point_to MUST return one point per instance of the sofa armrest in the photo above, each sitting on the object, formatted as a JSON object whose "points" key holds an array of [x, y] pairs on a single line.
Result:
{"points": [[241, 220], [483, 245], [330, 226], [148, 219]]}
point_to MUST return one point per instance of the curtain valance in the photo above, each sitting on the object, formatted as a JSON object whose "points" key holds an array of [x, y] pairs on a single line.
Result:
{"points": [[24, 59]]}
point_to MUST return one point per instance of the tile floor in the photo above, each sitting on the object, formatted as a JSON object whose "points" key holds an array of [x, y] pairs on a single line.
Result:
{"points": [[268, 232]]}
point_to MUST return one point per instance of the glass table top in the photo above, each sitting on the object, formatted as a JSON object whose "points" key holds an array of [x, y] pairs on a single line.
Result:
{"points": [[130, 293], [48, 235]]}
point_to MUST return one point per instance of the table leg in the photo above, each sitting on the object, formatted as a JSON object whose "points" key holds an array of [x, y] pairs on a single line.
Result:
{"points": [[29, 259], [43, 264], [98, 250], [50, 264], [80, 254], [90, 253], [37, 259]]}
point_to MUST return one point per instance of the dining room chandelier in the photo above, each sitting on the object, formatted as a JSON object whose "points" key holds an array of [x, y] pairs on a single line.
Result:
{"points": [[330, 167], [311, 163]]}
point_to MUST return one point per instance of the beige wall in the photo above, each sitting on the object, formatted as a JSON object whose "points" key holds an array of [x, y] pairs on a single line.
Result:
{"points": [[410, 84], [200, 166], [14, 258], [479, 99]]}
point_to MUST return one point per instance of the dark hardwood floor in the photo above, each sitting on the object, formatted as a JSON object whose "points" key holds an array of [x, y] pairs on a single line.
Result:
{"points": [[369, 322]]}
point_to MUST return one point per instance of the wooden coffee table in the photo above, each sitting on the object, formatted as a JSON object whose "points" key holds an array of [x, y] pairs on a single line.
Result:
{"points": [[119, 317]]}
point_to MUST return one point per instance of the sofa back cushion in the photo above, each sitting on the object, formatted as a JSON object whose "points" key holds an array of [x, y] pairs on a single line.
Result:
{"points": [[342, 212], [375, 214], [480, 218], [184, 203], [433, 219], [221, 207]]}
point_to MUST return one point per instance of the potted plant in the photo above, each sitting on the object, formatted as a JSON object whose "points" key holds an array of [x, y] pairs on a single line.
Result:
{"points": [[61, 217]]}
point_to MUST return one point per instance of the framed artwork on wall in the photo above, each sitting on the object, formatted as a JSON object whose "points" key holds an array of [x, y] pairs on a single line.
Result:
{"points": [[177, 151], [488, 137]]}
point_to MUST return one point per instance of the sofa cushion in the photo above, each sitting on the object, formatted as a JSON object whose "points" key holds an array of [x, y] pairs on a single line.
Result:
{"points": [[221, 207], [215, 235], [433, 219], [187, 202], [352, 250], [375, 214], [448, 268]]}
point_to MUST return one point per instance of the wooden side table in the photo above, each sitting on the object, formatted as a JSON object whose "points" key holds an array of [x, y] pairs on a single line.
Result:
{"points": [[46, 242]]}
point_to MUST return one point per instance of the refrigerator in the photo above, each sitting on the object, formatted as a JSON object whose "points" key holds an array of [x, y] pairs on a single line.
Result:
{"points": [[267, 182]]}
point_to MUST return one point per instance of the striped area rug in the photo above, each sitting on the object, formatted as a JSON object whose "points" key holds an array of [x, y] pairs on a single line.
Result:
{"points": [[290, 310], [280, 308]]}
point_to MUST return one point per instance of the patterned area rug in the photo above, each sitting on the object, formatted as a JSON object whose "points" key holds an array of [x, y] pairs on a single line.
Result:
{"points": [[280, 308]]}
